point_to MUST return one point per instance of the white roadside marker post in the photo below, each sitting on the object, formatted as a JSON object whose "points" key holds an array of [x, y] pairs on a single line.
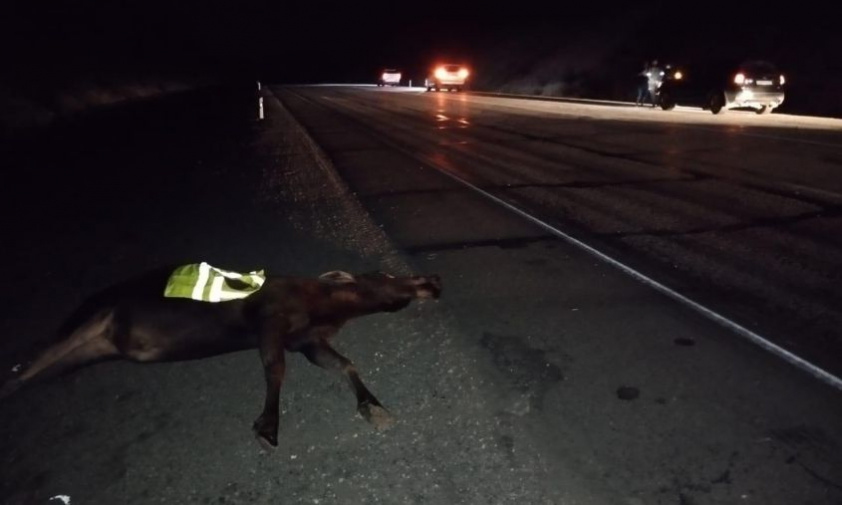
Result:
{"points": [[259, 102]]}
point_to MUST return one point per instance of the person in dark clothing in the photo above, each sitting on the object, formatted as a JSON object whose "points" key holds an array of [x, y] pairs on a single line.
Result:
{"points": [[642, 84]]}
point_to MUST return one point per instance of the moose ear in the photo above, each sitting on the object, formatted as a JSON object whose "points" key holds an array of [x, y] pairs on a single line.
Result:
{"points": [[337, 277]]}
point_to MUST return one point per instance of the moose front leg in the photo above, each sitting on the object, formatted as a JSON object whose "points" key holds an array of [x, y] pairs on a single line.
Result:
{"points": [[325, 356], [274, 367]]}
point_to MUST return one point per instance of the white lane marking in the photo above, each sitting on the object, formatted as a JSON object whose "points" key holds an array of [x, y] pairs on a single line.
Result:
{"points": [[764, 343], [62, 497]]}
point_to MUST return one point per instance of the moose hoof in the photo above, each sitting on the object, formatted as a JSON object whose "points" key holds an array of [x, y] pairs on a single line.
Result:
{"points": [[266, 433], [377, 416]]}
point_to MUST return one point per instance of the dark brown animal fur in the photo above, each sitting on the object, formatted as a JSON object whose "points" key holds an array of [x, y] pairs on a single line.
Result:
{"points": [[134, 321]]}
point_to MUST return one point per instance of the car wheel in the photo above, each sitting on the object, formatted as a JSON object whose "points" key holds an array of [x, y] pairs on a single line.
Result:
{"points": [[438, 88], [459, 88], [717, 103], [765, 109], [667, 103]]}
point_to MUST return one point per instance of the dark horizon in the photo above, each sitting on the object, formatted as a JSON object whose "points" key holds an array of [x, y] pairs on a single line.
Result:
{"points": [[52, 45]]}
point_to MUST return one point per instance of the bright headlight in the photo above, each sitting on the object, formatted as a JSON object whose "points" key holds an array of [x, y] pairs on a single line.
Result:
{"points": [[739, 79], [783, 81], [441, 73], [463, 73], [679, 75]]}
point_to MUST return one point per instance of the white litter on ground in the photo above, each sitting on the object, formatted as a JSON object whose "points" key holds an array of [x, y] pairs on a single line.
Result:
{"points": [[63, 498]]}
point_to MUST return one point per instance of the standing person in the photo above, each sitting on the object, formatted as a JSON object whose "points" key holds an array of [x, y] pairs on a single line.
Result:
{"points": [[655, 76], [642, 84]]}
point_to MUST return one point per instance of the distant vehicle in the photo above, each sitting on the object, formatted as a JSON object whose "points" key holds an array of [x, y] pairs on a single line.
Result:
{"points": [[671, 80], [389, 77], [756, 85], [449, 76]]}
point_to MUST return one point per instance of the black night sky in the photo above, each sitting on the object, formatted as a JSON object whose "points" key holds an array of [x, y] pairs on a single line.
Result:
{"points": [[591, 47]]}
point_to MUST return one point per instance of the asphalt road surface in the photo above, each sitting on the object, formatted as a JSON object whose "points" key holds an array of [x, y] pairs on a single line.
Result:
{"points": [[543, 375], [740, 212]]}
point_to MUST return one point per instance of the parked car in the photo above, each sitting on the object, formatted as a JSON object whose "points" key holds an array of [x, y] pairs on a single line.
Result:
{"points": [[671, 80], [448, 76], [718, 87], [389, 77]]}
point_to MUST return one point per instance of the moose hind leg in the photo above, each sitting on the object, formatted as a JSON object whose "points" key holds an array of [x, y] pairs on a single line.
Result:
{"points": [[86, 345]]}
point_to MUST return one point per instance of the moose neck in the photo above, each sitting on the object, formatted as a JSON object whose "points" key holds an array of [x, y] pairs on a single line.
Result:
{"points": [[354, 303]]}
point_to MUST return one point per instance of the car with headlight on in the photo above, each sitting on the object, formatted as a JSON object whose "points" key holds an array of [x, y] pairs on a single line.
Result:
{"points": [[721, 86], [670, 86], [448, 76], [389, 77]]}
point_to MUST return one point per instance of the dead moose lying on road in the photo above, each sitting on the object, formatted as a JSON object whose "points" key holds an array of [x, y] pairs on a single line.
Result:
{"points": [[134, 321]]}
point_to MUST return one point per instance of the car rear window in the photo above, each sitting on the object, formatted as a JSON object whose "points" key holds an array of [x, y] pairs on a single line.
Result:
{"points": [[452, 68], [760, 68]]}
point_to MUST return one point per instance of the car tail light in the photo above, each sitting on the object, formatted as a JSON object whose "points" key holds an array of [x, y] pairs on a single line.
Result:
{"points": [[463, 73], [441, 73], [739, 79], [783, 81]]}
